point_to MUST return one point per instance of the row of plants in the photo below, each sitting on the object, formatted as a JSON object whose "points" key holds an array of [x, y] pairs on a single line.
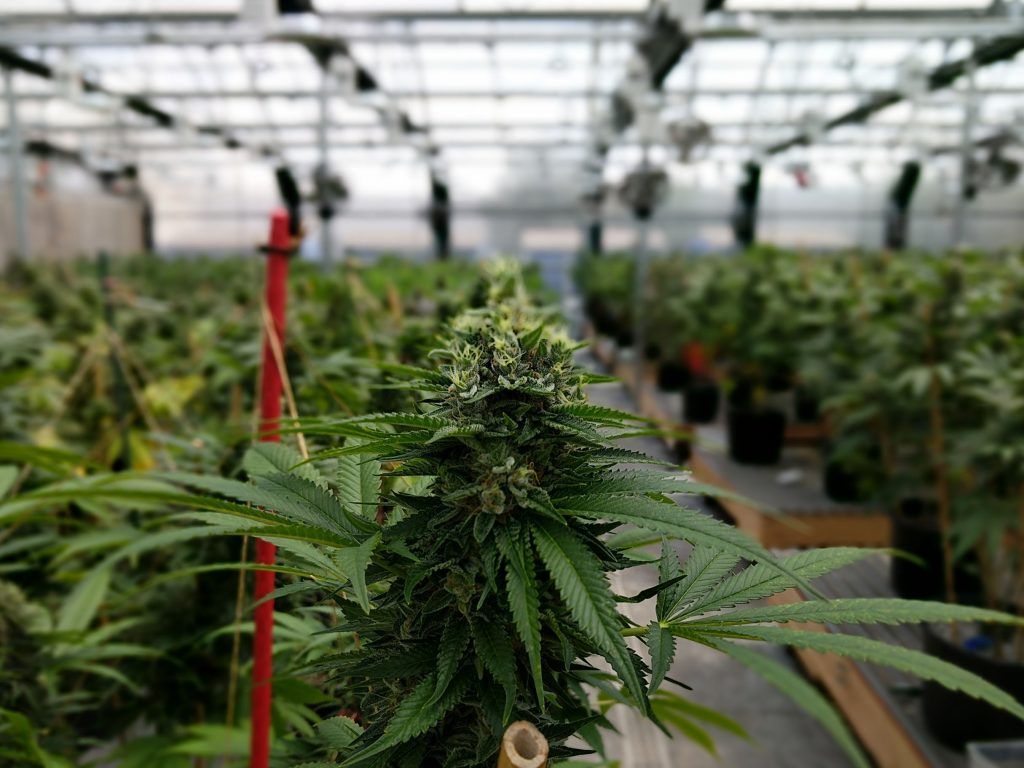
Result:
{"points": [[445, 570], [145, 365], [913, 364], [96, 355]]}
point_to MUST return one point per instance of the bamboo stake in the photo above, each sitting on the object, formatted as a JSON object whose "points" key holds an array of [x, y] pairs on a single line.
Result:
{"points": [[942, 481], [289, 394], [394, 303], [523, 746], [938, 451], [1018, 638]]}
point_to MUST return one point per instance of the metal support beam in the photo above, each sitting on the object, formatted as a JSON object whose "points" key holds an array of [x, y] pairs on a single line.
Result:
{"points": [[995, 50], [641, 266], [673, 97], [220, 17], [965, 191], [349, 127], [326, 205], [240, 33], [565, 145], [87, 32], [897, 213], [19, 193], [440, 216], [748, 196]]}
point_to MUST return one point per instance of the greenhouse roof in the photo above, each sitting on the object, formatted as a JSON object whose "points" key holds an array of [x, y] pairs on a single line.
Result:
{"points": [[479, 89]]}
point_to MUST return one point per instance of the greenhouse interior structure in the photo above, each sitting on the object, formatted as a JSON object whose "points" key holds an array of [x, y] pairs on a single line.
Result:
{"points": [[512, 383]]}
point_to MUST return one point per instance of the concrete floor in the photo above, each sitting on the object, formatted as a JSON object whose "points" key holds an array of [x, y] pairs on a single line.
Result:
{"points": [[782, 736]]}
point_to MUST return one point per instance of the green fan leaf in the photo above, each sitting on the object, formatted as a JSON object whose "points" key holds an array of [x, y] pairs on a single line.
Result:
{"points": [[81, 606], [759, 581], [415, 715], [680, 522], [359, 482], [581, 582], [524, 600], [665, 701], [599, 414], [338, 732], [267, 459], [662, 645], [874, 651], [801, 692], [353, 561], [862, 611], [495, 653], [454, 641], [704, 569]]}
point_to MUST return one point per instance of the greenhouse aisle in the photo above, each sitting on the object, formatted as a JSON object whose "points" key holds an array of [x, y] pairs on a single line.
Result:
{"points": [[782, 736]]}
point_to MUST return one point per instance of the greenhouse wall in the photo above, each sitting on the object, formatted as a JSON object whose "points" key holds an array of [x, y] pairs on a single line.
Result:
{"points": [[530, 215], [70, 213]]}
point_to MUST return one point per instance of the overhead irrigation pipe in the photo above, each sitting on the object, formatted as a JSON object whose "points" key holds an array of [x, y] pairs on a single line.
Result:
{"points": [[16, 158], [327, 49], [665, 39], [995, 50]]}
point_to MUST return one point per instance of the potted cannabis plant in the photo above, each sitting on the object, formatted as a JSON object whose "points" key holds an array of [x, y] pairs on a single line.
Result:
{"points": [[988, 520], [761, 359], [606, 283]]}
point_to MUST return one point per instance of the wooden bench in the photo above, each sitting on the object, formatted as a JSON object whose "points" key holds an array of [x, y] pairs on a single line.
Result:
{"points": [[881, 705], [798, 514], [784, 515]]}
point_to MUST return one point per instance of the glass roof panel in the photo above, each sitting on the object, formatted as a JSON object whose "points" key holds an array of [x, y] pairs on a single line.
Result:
{"points": [[506, 100], [151, 6], [522, 6]]}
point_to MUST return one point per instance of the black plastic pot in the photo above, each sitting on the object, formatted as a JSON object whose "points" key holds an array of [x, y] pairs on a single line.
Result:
{"points": [[915, 530], [806, 406], [842, 485], [673, 376], [742, 393], [954, 718], [604, 321], [851, 486], [700, 401], [683, 450], [779, 380], [756, 435]]}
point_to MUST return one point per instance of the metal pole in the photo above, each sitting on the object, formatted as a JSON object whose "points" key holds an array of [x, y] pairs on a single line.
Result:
{"points": [[326, 205], [639, 292], [959, 229], [19, 196]]}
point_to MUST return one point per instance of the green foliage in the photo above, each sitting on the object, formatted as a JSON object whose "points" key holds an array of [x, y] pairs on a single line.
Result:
{"points": [[449, 568], [489, 597], [132, 607]]}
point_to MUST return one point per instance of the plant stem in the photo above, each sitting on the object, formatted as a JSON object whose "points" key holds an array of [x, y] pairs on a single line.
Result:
{"points": [[938, 445], [1018, 592], [634, 631]]}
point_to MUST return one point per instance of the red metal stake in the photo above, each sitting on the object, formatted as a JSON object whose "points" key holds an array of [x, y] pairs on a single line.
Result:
{"points": [[278, 251]]}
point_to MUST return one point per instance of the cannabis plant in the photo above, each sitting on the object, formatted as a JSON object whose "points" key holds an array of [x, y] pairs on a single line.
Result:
{"points": [[478, 573], [473, 549]]}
